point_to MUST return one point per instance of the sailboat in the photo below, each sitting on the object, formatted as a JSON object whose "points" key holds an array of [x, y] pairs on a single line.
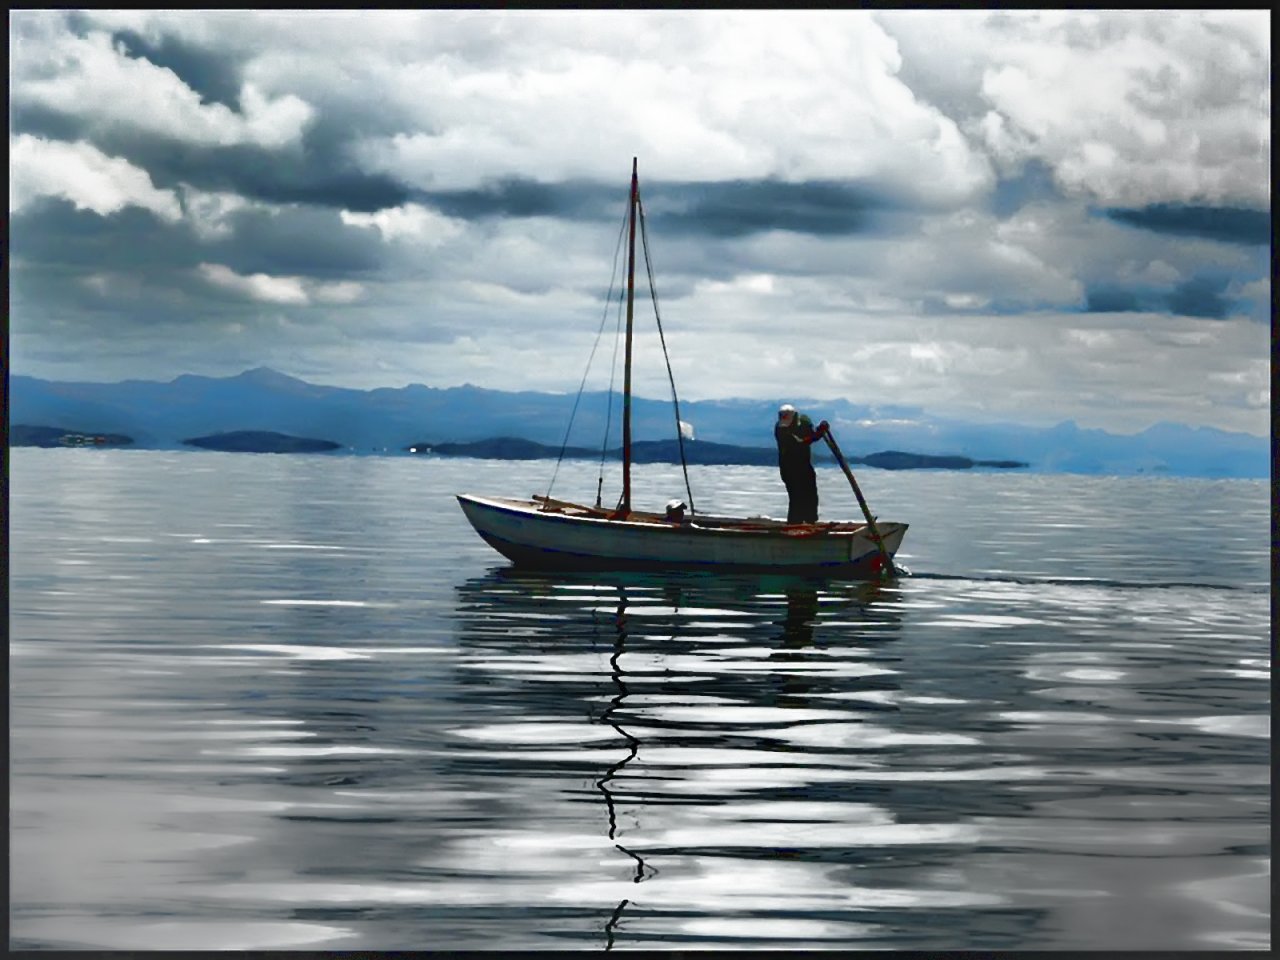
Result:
{"points": [[545, 533]]}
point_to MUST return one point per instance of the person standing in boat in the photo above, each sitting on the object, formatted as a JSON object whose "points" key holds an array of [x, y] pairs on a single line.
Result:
{"points": [[795, 434]]}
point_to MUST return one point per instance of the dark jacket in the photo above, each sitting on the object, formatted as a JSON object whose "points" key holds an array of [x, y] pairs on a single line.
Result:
{"points": [[793, 445]]}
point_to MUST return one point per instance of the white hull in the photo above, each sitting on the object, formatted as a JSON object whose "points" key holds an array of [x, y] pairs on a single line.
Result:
{"points": [[550, 534]]}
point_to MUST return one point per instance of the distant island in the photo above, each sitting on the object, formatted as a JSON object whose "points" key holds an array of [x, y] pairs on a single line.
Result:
{"points": [[700, 452], [897, 460], [25, 435], [261, 441]]}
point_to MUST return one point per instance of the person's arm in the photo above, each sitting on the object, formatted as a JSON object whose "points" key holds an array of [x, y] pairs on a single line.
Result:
{"points": [[812, 436]]}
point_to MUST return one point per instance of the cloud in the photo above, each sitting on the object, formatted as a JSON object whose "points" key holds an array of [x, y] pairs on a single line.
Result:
{"points": [[262, 288], [730, 208], [984, 263], [735, 208], [1112, 299], [341, 292], [523, 197], [1201, 296], [268, 177], [74, 78], [258, 287], [299, 239], [84, 175], [709, 115], [109, 285], [100, 84], [411, 221], [1117, 268], [211, 73], [1133, 107], [1228, 224], [211, 214]]}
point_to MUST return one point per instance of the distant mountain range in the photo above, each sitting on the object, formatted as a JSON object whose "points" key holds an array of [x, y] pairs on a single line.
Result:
{"points": [[160, 415]]}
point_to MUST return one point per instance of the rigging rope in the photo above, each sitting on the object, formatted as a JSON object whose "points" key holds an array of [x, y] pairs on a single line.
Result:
{"points": [[574, 412], [608, 416], [675, 401]]}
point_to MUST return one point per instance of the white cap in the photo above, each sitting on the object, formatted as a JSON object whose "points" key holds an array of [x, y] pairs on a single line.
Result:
{"points": [[785, 411]]}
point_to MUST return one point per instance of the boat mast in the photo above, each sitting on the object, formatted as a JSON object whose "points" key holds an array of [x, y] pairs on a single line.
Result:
{"points": [[625, 507]]}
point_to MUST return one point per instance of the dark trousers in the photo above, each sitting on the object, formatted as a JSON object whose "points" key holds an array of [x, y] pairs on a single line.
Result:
{"points": [[802, 495]]}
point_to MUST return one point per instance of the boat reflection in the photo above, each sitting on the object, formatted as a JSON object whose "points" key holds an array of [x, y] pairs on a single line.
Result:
{"points": [[701, 672], [797, 625]]}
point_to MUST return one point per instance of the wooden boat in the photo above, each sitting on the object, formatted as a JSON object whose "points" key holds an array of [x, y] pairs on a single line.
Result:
{"points": [[542, 532]]}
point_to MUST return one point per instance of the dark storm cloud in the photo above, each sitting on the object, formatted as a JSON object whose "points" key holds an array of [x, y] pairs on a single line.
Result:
{"points": [[1203, 295], [310, 242], [311, 179], [215, 77], [514, 197], [310, 176], [733, 208], [1228, 224], [53, 232], [56, 295], [1108, 299], [54, 254], [42, 122], [740, 207]]}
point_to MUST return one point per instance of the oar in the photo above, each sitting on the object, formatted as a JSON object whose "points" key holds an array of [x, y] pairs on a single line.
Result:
{"points": [[888, 569]]}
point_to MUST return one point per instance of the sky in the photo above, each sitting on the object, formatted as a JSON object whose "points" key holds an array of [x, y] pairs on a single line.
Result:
{"points": [[1013, 216]]}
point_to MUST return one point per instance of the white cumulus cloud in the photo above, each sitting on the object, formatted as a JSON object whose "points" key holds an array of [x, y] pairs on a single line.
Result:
{"points": [[262, 288], [256, 286], [408, 222], [84, 175], [91, 79], [1135, 107], [699, 95]]}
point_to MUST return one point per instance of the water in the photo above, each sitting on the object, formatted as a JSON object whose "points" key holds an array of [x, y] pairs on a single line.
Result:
{"points": [[295, 702]]}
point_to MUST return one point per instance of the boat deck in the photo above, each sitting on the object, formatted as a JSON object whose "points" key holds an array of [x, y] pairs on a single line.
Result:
{"points": [[706, 521]]}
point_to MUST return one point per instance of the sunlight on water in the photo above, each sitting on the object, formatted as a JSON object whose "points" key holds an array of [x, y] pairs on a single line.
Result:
{"points": [[295, 703]]}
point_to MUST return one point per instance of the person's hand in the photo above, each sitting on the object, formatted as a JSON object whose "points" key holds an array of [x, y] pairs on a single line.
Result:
{"points": [[824, 428]]}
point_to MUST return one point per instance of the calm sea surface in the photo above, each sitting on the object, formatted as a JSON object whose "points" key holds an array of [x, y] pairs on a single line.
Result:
{"points": [[295, 702]]}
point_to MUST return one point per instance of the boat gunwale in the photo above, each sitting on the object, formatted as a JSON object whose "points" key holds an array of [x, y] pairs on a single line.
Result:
{"points": [[766, 527]]}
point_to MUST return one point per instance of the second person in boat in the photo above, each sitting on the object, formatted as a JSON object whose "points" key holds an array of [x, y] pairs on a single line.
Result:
{"points": [[795, 433]]}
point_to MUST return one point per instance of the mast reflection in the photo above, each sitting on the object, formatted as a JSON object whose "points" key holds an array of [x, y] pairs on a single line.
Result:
{"points": [[642, 870]]}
